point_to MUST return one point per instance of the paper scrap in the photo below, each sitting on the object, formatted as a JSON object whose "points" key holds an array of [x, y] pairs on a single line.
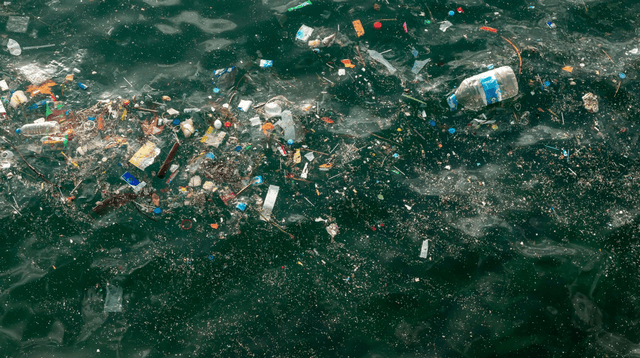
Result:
{"points": [[145, 156]]}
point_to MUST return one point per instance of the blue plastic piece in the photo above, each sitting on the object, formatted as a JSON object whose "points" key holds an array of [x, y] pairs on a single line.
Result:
{"points": [[82, 86], [622, 75], [130, 179], [241, 206], [257, 179], [238, 148], [432, 123], [210, 156], [157, 211], [490, 67], [290, 142], [547, 83], [452, 130], [175, 122], [453, 102], [216, 90], [451, 13], [92, 118], [18, 130], [210, 257], [395, 155]]}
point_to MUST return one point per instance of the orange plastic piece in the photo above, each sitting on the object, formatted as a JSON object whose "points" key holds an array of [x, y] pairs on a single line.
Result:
{"points": [[327, 119], [490, 29], [347, 63], [568, 68], [214, 226], [358, 26], [267, 127], [100, 123], [44, 88]]}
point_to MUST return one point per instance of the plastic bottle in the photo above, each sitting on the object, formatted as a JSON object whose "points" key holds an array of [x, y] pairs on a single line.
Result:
{"points": [[39, 129], [484, 89]]}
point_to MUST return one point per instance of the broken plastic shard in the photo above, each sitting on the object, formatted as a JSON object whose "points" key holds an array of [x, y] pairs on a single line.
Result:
{"points": [[333, 230], [445, 25], [113, 301], [378, 57], [305, 171], [269, 202], [145, 156], [14, 47], [18, 24], [310, 157], [424, 251], [419, 65]]}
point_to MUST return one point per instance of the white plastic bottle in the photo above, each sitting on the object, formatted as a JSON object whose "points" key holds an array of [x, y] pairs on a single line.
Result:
{"points": [[484, 89], [39, 129]]}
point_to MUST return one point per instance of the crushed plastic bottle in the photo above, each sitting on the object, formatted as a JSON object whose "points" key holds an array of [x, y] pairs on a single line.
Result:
{"points": [[288, 125], [484, 89], [39, 129]]}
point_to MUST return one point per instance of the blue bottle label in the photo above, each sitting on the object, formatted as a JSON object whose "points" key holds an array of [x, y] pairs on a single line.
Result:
{"points": [[453, 102], [491, 88]]}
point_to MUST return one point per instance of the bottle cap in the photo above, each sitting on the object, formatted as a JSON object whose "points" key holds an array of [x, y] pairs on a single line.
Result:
{"points": [[377, 25], [175, 122], [18, 130], [157, 211]]}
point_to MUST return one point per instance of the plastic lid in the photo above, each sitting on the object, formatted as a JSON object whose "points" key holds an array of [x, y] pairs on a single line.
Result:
{"points": [[451, 13], [175, 122], [18, 130], [216, 90], [290, 142], [377, 25], [157, 211]]}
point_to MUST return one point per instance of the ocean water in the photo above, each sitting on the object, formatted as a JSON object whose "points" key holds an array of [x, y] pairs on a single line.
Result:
{"points": [[531, 216]]}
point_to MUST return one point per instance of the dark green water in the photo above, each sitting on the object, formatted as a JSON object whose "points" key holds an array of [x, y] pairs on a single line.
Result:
{"points": [[532, 253]]}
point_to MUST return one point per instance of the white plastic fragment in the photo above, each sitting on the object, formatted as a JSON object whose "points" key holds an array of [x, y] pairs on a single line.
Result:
{"points": [[244, 105], [14, 47], [304, 33], [424, 251], [269, 202], [445, 25]]}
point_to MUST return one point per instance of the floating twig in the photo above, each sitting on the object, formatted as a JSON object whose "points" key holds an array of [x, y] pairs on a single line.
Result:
{"points": [[517, 52]]}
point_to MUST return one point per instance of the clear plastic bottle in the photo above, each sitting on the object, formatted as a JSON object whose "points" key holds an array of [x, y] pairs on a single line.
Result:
{"points": [[484, 89], [39, 129]]}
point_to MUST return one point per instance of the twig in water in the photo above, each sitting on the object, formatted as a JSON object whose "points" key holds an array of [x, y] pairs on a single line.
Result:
{"points": [[605, 52], [128, 82], [517, 52], [415, 99], [619, 83]]}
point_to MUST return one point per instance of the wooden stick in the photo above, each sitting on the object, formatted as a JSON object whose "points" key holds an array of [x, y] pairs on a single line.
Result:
{"points": [[359, 55], [619, 83], [145, 110], [167, 162], [605, 52], [517, 52]]}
